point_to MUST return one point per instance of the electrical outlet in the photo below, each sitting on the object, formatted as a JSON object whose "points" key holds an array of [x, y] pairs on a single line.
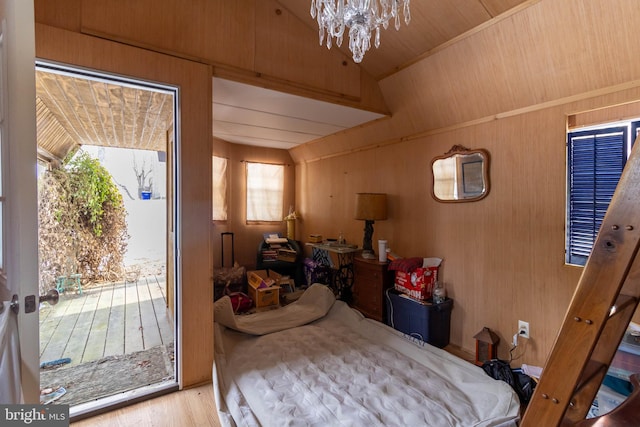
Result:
{"points": [[523, 329]]}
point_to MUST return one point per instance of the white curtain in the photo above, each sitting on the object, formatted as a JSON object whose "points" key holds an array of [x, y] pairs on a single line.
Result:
{"points": [[265, 192], [219, 181]]}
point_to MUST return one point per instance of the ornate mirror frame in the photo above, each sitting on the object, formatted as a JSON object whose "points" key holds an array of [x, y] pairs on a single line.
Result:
{"points": [[460, 175]]}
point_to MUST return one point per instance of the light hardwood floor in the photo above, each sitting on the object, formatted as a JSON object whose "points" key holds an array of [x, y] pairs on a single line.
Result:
{"points": [[187, 408]]}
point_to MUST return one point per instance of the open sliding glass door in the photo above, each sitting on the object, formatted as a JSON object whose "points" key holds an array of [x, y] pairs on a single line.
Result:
{"points": [[18, 198]]}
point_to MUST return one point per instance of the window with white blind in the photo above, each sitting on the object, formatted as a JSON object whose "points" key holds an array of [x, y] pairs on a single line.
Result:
{"points": [[265, 192], [219, 185], [595, 160]]}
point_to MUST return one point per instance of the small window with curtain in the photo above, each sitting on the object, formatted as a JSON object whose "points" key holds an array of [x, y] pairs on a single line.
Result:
{"points": [[265, 192], [219, 185], [595, 160]]}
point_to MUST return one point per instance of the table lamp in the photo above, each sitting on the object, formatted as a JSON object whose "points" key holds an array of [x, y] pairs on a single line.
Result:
{"points": [[370, 207]]}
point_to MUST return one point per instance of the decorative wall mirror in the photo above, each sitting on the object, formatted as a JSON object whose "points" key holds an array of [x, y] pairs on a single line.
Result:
{"points": [[460, 175]]}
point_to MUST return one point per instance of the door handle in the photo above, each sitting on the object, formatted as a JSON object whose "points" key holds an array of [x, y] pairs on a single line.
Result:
{"points": [[14, 305], [51, 297]]}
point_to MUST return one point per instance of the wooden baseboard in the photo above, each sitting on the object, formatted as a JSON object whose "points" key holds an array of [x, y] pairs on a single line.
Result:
{"points": [[460, 352]]}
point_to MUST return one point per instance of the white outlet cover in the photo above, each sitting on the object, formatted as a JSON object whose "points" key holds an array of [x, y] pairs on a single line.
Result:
{"points": [[523, 329]]}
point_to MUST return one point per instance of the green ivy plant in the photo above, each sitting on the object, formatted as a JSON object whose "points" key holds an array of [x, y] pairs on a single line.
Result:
{"points": [[82, 220], [91, 189]]}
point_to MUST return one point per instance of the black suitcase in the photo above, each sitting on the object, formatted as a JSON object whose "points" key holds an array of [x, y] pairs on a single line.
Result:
{"points": [[227, 279]]}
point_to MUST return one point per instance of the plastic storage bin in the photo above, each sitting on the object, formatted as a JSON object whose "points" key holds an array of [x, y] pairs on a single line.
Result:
{"points": [[428, 322]]}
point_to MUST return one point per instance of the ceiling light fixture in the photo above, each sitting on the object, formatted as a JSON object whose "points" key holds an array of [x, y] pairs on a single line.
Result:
{"points": [[362, 17]]}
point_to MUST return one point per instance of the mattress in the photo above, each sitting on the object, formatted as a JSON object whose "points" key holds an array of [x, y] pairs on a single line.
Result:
{"points": [[343, 369]]}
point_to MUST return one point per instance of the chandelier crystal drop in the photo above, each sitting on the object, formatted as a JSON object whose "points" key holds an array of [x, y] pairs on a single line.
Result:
{"points": [[362, 17]]}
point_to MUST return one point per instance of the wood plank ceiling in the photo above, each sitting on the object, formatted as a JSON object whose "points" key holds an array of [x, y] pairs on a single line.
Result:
{"points": [[433, 24], [73, 111]]}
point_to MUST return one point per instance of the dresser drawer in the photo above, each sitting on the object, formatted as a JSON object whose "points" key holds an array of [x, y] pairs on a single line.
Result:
{"points": [[368, 277], [371, 279], [363, 296]]}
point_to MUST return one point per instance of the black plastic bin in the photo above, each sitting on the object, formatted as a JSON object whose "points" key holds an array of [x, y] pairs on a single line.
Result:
{"points": [[422, 320]]}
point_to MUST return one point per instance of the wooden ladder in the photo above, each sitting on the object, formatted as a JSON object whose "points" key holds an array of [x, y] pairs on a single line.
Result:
{"points": [[598, 316]]}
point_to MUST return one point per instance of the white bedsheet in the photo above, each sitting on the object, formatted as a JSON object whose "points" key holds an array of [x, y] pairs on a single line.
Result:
{"points": [[313, 304], [350, 371]]}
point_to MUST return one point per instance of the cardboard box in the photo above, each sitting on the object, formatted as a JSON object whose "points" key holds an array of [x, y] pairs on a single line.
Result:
{"points": [[287, 285], [418, 283], [264, 287], [263, 278]]}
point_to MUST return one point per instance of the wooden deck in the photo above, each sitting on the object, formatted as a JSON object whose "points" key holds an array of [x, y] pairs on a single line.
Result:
{"points": [[106, 320]]}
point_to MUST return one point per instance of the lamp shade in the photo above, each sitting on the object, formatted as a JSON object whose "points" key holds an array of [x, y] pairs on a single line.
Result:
{"points": [[371, 206]]}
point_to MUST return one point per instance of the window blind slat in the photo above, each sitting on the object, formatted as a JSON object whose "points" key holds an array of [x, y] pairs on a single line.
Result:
{"points": [[596, 159]]}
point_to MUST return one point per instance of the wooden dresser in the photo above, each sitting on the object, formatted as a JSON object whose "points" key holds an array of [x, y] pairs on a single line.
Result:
{"points": [[370, 279]]}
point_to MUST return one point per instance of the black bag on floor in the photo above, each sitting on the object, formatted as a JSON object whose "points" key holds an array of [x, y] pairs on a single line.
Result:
{"points": [[522, 383]]}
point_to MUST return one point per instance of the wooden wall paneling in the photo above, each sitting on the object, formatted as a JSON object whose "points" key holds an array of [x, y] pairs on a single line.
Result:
{"points": [[378, 133], [317, 212], [626, 111], [437, 91], [59, 13], [194, 81], [403, 49], [245, 40], [287, 48], [496, 7], [288, 57], [553, 46], [504, 255], [219, 31], [465, 14]]}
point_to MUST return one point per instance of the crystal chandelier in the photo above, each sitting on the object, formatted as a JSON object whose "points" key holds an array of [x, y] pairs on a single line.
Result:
{"points": [[362, 17]]}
